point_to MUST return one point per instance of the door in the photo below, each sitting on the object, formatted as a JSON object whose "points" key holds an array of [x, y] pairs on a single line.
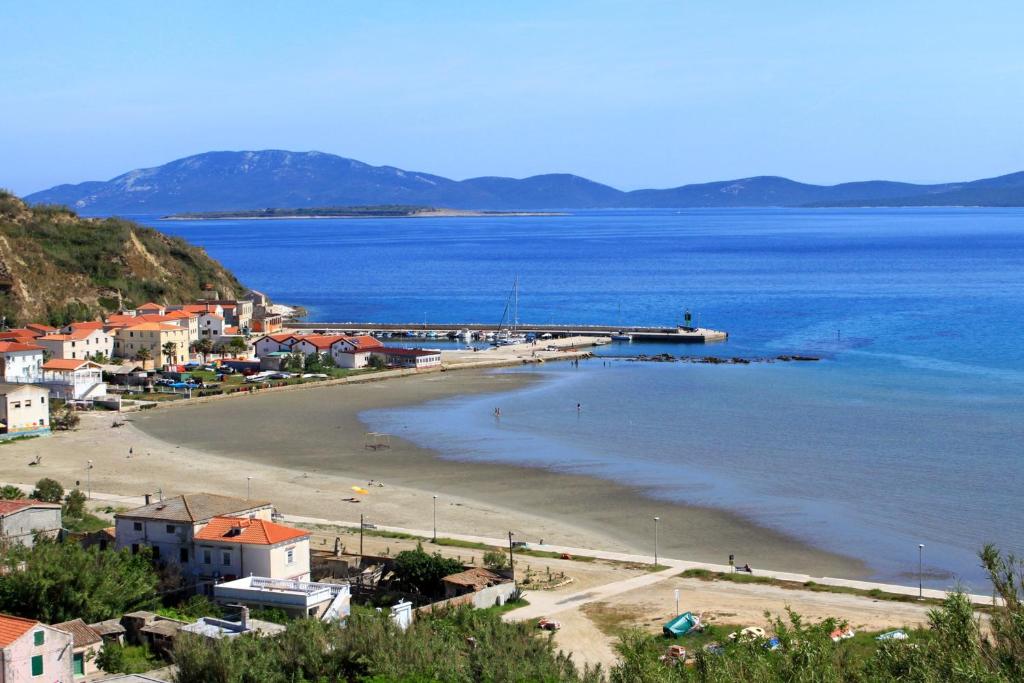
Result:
{"points": [[78, 664]]}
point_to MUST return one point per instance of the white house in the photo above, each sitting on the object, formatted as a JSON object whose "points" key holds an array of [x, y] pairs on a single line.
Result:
{"points": [[169, 527], [22, 520], [211, 324], [326, 601], [73, 380], [32, 651], [24, 410], [79, 343], [229, 547], [418, 359], [274, 343], [20, 362]]}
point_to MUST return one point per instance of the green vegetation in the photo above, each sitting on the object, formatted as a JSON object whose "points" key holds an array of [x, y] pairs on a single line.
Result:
{"points": [[737, 577], [378, 211], [63, 418], [495, 560], [417, 571], [457, 645], [11, 492], [191, 609], [71, 268], [62, 581], [126, 659], [48, 490]]}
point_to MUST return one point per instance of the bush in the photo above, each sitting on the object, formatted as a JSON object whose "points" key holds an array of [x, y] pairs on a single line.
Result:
{"points": [[74, 504], [64, 419], [496, 560], [126, 659], [48, 490]]}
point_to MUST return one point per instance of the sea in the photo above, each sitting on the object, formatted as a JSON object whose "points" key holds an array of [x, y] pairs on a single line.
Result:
{"points": [[909, 431]]}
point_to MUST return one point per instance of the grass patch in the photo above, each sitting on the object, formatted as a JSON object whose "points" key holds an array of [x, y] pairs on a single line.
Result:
{"points": [[87, 523], [508, 606], [18, 438], [874, 593]]}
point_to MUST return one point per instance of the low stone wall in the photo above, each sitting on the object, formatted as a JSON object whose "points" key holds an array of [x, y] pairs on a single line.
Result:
{"points": [[488, 597]]}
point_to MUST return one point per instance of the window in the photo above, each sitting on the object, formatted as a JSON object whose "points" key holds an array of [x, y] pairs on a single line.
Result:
{"points": [[171, 528], [137, 526], [290, 555], [226, 558], [28, 404], [183, 555], [39, 637], [135, 548], [42, 399], [37, 665], [17, 404], [206, 557], [156, 552]]}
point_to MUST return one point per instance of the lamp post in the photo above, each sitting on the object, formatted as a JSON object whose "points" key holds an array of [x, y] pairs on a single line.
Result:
{"points": [[920, 571], [88, 479], [435, 518], [512, 561], [656, 520], [248, 488], [677, 602]]}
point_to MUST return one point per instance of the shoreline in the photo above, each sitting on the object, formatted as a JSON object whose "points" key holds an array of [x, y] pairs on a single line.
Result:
{"points": [[321, 431], [444, 213]]}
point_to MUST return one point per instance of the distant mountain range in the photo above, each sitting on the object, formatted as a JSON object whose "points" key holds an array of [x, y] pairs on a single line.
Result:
{"points": [[217, 181]]}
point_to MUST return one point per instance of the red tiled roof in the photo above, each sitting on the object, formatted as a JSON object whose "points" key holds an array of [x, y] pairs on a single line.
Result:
{"points": [[66, 364], [150, 306], [321, 341], [280, 337], [80, 333], [253, 531], [8, 346], [20, 335], [40, 327], [12, 628], [365, 341], [199, 308], [155, 327]]}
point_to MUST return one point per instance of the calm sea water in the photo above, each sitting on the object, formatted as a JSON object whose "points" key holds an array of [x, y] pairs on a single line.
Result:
{"points": [[910, 431]]}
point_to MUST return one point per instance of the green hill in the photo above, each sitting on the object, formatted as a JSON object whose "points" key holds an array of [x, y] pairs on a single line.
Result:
{"points": [[56, 266]]}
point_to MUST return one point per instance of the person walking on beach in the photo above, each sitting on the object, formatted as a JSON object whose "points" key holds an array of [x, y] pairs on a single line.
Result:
{"points": [[579, 407]]}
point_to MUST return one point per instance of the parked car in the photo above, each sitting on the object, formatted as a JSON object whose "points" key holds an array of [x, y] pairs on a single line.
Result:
{"points": [[314, 375], [281, 375]]}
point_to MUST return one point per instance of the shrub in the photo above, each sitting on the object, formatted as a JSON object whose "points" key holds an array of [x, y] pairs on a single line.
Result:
{"points": [[48, 490]]}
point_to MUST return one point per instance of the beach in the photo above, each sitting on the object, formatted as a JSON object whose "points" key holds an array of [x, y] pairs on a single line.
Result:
{"points": [[304, 450]]}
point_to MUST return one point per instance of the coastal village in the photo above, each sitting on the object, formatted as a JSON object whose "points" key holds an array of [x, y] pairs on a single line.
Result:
{"points": [[254, 568]]}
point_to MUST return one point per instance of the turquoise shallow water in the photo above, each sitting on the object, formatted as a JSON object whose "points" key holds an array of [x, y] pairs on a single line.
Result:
{"points": [[908, 432]]}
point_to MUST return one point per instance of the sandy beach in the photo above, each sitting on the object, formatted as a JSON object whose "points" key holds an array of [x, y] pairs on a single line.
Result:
{"points": [[304, 451]]}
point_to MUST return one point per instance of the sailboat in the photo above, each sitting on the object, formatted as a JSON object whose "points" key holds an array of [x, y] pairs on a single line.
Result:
{"points": [[510, 335]]}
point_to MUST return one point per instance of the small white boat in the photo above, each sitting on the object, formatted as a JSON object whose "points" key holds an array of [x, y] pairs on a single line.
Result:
{"points": [[622, 337]]}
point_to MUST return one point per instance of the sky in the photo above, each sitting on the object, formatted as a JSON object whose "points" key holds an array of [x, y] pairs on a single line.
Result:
{"points": [[633, 93]]}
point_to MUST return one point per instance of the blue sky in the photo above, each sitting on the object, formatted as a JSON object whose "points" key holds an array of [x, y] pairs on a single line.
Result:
{"points": [[631, 93]]}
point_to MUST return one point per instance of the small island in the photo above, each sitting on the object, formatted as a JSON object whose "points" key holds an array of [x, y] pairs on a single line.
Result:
{"points": [[377, 211]]}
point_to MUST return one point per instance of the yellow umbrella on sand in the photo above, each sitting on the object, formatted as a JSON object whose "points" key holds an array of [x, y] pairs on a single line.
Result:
{"points": [[360, 490]]}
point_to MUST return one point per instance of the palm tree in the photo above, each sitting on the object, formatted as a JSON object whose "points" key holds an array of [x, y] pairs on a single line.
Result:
{"points": [[170, 350], [203, 346], [10, 492], [143, 354]]}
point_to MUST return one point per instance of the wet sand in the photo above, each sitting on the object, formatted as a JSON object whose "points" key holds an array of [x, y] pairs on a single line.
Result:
{"points": [[312, 444]]}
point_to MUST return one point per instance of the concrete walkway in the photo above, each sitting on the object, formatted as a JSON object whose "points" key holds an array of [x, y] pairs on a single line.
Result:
{"points": [[675, 566]]}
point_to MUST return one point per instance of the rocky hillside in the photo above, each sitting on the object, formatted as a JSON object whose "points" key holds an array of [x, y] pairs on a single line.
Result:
{"points": [[56, 266]]}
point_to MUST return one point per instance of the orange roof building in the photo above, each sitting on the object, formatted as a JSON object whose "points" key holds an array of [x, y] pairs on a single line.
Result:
{"points": [[229, 547]]}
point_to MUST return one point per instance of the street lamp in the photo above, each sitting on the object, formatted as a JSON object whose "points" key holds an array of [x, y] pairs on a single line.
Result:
{"points": [[248, 488], [512, 561], [435, 518], [656, 520], [920, 571], [677, 602], [88, 479]]}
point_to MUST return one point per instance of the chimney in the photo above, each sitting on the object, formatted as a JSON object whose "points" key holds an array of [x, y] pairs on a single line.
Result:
{"points": [[245, 618], [147, 499]]}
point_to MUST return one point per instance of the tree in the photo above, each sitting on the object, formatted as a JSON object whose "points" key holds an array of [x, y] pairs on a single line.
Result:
{"points": [[170, 351], [48, 490], [143, 354], [237, 345], [74, 504], [417, 571], [9, 492], [203, 346], [54, 581], [377, 362]]}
